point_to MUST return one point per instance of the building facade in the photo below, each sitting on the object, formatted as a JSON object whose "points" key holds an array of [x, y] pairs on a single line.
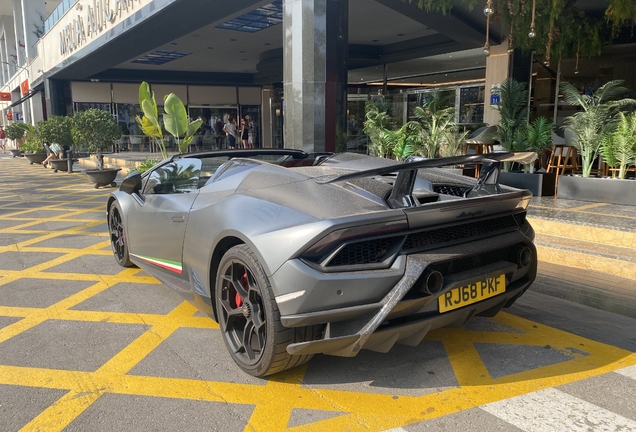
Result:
{"points": [[299, 71]]}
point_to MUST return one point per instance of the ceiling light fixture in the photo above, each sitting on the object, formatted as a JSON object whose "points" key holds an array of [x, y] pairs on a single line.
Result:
{"points": [[578, 49], [532, 34], [488, 11], [258, 19], [511, 47]]}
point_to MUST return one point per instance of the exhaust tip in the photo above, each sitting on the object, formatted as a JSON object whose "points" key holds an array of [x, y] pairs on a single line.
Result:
{"points": [[524, 257], [431, 282]]}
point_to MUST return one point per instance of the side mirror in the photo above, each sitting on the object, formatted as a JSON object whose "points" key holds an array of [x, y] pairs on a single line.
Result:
{"points": [[132, 183]]}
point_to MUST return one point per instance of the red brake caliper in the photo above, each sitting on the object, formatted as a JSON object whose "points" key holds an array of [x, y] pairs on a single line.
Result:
{"points": [[238, 299]]}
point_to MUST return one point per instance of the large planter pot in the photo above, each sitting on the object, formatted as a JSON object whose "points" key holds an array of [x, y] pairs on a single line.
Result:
{"points": [[35, 158], [15, 152], [61, 164], [103, 177], [540, 184], [597, 189]]}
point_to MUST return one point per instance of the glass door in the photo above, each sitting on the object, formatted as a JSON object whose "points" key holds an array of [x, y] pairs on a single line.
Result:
{"points": [[211, 136], [251, 114]]}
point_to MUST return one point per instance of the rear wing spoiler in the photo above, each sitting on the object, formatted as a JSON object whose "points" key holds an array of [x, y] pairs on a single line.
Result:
{"points": [[401, 195]]}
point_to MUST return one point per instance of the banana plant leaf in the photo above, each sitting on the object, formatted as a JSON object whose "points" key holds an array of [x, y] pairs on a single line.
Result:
{"points": [[175, 117]]}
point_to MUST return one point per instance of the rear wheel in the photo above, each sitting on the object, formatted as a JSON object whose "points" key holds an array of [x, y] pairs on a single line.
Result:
{"points": [[249, 318], [117, 236]]}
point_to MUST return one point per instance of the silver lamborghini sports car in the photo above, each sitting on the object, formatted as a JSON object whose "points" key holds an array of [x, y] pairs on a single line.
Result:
{"points": [[296, 254]]}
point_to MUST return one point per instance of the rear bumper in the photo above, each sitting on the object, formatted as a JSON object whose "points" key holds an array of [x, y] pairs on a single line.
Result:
{"points": [[400, 316]]}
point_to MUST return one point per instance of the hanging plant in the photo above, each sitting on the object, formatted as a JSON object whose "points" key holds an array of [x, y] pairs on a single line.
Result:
{"points": [[558, 24], [621, 13]]}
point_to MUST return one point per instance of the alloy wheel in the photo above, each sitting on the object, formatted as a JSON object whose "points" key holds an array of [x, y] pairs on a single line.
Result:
{"points": [[242, 317], [117, 238]]}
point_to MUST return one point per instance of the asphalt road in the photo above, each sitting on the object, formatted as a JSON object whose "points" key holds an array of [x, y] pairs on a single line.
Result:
{"points": [[86, 345]]}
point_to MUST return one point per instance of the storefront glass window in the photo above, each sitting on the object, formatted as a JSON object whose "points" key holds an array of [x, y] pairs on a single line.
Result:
{"points": [[357, 141], [83, 106], [252, 115], [277, 104], [471, 105], [210, 135]]}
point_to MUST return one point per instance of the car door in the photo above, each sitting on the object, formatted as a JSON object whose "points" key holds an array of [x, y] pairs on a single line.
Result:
{"points": [[156, 228]]}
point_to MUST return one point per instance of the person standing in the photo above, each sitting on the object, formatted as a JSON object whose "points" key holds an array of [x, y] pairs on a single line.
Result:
{"points": [[251, 132], [244, 133], [3, 139], [230, 132]]}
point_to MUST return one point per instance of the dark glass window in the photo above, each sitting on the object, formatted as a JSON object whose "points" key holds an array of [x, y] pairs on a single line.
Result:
{"points": [[181, 176]]}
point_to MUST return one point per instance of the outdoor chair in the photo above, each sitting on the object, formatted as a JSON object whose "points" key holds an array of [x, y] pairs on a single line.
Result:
{"points": [[563, 156], [481, 141]]}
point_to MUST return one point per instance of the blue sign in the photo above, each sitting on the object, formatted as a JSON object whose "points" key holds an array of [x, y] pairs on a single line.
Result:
{"points": [[495, 99]]}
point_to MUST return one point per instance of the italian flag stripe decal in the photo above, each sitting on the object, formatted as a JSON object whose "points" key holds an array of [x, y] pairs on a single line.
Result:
{"points": [[174, 266]]}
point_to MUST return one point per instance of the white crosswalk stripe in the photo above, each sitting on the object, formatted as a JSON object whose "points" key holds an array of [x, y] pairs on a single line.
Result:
{"points": [[553, 410], [629, 372]]}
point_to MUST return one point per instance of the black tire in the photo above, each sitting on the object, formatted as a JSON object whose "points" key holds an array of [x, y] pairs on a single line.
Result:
{"points": [[249, 318], [117, 236]]}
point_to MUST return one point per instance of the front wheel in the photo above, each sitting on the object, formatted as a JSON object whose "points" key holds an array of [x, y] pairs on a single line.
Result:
{"points": [[249, 318], [118, 236]]}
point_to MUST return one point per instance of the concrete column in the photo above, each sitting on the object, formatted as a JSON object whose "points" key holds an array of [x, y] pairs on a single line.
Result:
{"points": [[315, 43], [37, 109], [8, 47], [497, 70], [33, 15], [18, 22]]}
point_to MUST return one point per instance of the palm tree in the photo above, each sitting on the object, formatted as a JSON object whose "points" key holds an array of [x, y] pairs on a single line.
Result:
{"points": [[538, 135], [437, 119], [594, 122], [513, 109], [406, 140], [619, 147], [378, 126]]}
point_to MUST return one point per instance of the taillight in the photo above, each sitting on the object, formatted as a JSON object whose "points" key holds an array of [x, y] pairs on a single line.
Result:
{"points": [[325, 252]]}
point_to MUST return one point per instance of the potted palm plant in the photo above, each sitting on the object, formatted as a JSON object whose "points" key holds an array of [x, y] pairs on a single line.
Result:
{"points": [[533, 137], [513, 109], [97, 130], [619, 147], [437, 119], [598, 119], [379, 126], [595, 120], [515, 133]]}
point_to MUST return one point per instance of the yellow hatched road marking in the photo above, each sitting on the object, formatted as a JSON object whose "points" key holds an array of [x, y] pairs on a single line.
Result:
{"points": [[275, 401]]}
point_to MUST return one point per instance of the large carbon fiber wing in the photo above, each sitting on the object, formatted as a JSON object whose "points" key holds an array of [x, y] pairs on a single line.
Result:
{"points": [[402, 193]]}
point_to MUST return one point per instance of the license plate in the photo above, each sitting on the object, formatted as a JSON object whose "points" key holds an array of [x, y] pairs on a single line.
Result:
{"points": [[472, 293]]}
